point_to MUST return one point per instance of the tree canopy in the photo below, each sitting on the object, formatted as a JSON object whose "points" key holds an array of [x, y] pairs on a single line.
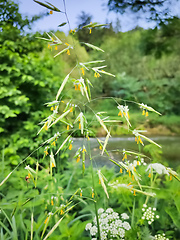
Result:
{"points": [[158, 10]]}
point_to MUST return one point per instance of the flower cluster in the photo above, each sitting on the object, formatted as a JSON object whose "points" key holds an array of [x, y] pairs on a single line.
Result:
{"points": [[149, 214], [111, 226], [160, 237]]}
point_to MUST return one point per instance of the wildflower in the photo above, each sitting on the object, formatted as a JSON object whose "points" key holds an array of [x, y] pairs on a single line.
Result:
{"points": [[52, 202], [51, 12], [149, 214], [124, 111], [82, 69], [53, 143], [158, 168], [72, 31], [124, 216], [92, 193], [46, 152], [50, 47], [145, 109], [84, 150], [48, 217], [88, 226], [125, 155], [79, 86], [100, 210], [96, 75], [78, 159], [138, 140], [46, 126], [93, 230], [126, 225], [61, 212], [111, 226], [160, 237], [81, 193], [46, 220]]}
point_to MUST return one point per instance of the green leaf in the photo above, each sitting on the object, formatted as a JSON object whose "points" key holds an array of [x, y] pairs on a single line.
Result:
{"points": [[105, 143], [93, 47], [48, 5], [102, 178], [60, 117], [64, 50], [62, 24], [54, 227], [63, 143], [62, 86], [92, 62], [173, 213], [149, 140], [90, 25], [102, 123], [3, 181], [107, 73]]}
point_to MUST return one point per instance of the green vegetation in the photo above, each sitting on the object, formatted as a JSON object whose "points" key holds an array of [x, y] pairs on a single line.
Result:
{"points": [[45, 192]]}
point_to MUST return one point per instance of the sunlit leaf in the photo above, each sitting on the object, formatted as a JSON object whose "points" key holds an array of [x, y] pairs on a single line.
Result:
{"points": [[93, 47], [65, 141], [62, 86]]}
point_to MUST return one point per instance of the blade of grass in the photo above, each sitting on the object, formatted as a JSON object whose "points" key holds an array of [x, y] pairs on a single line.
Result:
{"points": [[14, 233], [62, 86], [54, 227], [32, 226]]}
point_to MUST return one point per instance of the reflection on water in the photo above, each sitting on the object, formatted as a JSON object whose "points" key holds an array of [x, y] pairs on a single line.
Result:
{"points": [[170, 147]]}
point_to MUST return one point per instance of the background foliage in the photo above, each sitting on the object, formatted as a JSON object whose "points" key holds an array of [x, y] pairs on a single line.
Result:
{"points": [[146, 64]]}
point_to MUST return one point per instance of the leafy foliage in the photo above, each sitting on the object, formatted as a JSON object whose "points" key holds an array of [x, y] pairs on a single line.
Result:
{"points": [[57, 198], [158, 10], [26, 80]]}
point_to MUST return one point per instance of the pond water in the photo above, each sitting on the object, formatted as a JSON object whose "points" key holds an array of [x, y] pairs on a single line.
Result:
{"points": [[170, 149]]}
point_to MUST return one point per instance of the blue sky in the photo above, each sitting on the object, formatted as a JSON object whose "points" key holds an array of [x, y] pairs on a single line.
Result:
{"points": [[74, 8]]}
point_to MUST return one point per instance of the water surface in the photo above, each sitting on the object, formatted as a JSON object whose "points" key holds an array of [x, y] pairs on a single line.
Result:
{"points": [[170, 149]]}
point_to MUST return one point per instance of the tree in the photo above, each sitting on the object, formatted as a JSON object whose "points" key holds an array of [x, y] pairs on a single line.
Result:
{"points": [[162, 40], [26, 83], [159, 10]]}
